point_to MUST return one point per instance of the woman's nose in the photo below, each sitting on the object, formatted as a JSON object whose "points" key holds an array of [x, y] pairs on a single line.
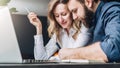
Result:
{"points": [[61, 19]]}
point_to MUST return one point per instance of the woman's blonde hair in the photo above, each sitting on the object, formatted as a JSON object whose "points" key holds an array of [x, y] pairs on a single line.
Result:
{"points": [[54, 27]]}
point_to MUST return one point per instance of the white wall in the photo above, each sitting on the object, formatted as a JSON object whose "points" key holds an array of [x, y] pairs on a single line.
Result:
{"points": [[37, 6]]}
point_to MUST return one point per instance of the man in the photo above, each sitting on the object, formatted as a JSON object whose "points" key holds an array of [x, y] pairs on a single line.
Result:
{"points": [[105, 20]]}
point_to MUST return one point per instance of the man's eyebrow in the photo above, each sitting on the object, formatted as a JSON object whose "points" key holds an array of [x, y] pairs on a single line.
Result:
{"points": [[71, 10]]}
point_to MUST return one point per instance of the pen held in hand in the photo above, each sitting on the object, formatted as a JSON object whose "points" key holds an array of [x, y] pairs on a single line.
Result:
{"points": [[28, 11], [58, 46]]}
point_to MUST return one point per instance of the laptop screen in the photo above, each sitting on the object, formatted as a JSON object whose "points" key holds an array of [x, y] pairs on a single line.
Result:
{"points": [[25, 32], [9, 49]]}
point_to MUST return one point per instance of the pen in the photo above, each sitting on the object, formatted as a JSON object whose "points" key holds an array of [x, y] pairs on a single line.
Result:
{"points": [[28, 11], [58, 45]]}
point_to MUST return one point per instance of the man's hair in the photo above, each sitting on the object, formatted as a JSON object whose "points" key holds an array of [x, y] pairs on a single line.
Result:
{"points": [[110, 0], [81, 1]]}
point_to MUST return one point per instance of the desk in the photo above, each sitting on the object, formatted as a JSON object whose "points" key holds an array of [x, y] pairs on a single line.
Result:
{"points": [[57, 65]]}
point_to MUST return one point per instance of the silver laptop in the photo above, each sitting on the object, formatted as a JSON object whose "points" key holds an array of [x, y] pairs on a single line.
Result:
{"points": [[9, 48]]}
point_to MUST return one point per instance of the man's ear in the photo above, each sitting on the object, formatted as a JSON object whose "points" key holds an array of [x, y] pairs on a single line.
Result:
{"points": [[89, 3]]}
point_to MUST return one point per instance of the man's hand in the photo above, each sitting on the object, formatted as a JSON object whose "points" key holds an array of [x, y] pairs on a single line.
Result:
{"points": [[67, 53], [90, 52]]}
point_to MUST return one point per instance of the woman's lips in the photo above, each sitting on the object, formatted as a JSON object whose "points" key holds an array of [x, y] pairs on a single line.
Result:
{"points": [[63, 23]]}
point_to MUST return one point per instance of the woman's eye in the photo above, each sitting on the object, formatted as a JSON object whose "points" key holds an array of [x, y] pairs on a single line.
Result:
{"points": [[56, 15]]}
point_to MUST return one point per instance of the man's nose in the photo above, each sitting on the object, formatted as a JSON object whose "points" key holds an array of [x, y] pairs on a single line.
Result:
{"points": [[75, 16]]}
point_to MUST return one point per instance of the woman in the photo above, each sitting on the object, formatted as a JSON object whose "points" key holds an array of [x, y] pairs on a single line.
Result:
{"points": [[61, 30]]}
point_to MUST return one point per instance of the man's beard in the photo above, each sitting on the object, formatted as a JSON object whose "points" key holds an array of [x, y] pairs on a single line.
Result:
{"points": [[89, 15], [87, 19]]}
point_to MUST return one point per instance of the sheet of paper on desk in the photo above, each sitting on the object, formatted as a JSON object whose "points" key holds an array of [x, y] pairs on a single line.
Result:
{"points": [[76, 60], [82, 61]]}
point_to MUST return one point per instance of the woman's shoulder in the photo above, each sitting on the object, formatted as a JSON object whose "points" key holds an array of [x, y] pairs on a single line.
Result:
{"points": [[53, 36], [84, 28]]}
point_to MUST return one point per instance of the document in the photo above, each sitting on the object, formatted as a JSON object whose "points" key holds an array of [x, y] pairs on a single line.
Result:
{"points": [[57, 59], [76, 61], [82, 61]]}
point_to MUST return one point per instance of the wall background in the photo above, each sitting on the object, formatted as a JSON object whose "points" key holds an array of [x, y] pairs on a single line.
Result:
{"points": [[37, 6]]}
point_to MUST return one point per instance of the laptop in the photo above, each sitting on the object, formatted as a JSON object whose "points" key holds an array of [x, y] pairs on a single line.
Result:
{"points": [[9, 48]]}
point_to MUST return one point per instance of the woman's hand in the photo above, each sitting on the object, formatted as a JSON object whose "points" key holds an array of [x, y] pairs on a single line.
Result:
{"points": [[34, 20]]}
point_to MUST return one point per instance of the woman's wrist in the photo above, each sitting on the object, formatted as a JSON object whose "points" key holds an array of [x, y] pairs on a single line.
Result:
{"points": [[38, 30]]}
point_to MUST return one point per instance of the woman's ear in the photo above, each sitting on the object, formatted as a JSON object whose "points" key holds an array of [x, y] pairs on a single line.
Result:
{"points": [[89, 3]]}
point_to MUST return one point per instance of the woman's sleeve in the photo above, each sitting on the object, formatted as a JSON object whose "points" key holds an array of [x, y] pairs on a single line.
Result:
{"points": [[42, 52], [84, 36]]}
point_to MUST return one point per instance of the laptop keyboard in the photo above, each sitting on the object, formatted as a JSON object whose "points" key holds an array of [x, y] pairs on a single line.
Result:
{"points": [[36, 61]]}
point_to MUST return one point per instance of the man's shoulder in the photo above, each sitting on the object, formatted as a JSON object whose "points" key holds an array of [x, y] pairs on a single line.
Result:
{"points": [[109, 5], [110, 8], [112, 3]]}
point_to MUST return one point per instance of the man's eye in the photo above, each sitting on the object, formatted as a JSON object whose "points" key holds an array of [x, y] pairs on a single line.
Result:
{"points": [[75, 10], [64, 14]]}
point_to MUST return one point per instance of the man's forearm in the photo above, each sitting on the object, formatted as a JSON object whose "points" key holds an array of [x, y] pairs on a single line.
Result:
{"points": [[91, 52]]}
